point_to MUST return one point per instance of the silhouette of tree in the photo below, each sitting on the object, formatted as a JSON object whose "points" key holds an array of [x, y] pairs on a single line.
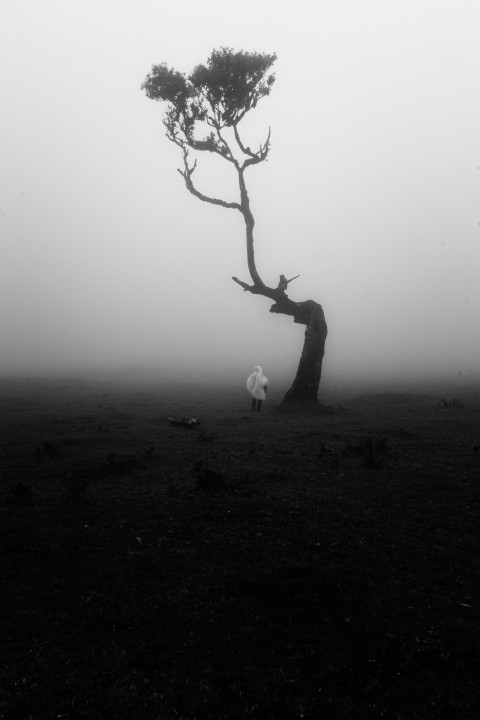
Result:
{"points": [[203, 114]]}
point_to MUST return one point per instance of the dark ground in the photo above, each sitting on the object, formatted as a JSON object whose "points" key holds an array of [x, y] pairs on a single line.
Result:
{"points": [[326, 567]]}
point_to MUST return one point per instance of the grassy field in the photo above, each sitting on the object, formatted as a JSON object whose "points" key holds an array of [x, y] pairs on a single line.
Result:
{"points": [[259, 566]]}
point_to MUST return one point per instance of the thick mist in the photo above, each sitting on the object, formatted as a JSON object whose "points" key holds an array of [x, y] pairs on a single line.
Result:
{"points": [[109, 265]]}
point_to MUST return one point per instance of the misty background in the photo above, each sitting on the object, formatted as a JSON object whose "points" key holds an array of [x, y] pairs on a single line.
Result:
{"points": [[371, 191]]}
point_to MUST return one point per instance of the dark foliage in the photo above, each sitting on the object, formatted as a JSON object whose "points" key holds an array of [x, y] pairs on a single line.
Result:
{"points": [[219, 93]]}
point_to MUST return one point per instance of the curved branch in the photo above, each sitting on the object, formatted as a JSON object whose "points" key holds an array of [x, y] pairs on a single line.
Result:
{"points": [[245, 150], [187, 176], [254, 289], [228, 155], [254, 157], [249, 225], [261, 155]]}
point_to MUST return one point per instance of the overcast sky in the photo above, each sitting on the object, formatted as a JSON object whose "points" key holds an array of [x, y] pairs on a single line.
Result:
{"points": [[371, 191]]}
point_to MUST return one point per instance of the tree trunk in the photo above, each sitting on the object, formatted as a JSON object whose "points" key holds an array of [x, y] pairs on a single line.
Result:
{"points": [[303, 394]]}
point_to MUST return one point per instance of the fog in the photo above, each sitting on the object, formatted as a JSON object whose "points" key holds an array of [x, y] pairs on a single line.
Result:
{"points": [[371, 191]]}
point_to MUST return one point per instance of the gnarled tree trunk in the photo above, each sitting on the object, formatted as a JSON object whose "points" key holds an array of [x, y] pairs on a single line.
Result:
{"points": [[304, 390], [303, 394]]}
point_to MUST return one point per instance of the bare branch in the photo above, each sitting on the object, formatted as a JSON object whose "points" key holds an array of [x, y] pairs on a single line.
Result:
{"points": [[187, 176], [261, 289], [283, 282], [266, 146], [245, 150], [261, 154], [228, 155], [300, 311], [246, 287]]}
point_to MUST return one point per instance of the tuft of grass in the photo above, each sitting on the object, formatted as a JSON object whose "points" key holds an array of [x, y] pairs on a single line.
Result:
{"points": [[447, 404]]}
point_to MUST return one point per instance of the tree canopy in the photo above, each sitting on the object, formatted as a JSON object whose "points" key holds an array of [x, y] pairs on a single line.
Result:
{"points": [[217, 94]]}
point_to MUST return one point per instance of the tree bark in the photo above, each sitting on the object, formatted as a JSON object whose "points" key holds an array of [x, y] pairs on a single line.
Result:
{"points": [[303, 394]]}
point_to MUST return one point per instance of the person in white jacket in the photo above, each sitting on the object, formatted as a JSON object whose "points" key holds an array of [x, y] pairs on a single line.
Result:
{"points": [[257, 387]]}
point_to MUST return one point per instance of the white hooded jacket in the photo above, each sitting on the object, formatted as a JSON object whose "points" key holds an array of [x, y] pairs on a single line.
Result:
{"points": [[256, 383]]}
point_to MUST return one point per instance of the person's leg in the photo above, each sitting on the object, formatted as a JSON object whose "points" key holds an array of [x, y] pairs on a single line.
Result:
{"points": [[259, 405], [254, 404]]}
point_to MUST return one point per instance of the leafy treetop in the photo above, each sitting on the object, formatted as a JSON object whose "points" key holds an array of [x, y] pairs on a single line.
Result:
{"points": [[219, 94]]}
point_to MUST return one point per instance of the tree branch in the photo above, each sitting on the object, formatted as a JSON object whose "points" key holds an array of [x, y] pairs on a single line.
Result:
{"points": [[283, 282], [261, 155], [247, 288], [261, 289], [245, 150], [228, 153], [187, 176], [300, 311]]}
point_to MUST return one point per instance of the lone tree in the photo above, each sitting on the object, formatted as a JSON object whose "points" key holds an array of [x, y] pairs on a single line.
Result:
{"points": [[203, 114]]}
